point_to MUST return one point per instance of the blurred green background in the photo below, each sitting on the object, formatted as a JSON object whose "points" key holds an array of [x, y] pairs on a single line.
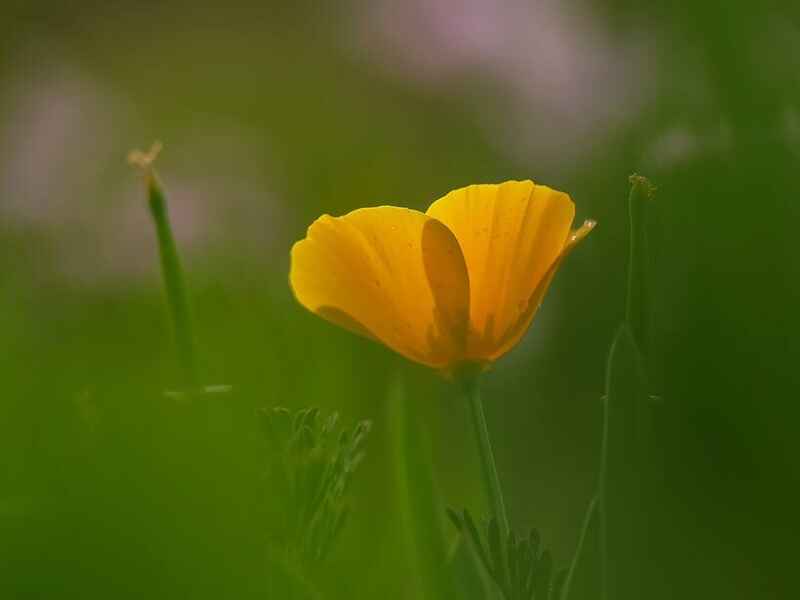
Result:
{"points": [[274, 113]]}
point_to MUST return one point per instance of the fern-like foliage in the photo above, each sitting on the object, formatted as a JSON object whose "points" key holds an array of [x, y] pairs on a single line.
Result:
{"points": [[519, 566], [311, 461]]}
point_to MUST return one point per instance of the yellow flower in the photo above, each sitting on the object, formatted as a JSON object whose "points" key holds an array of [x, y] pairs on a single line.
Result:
{"points": [[457, 284]]}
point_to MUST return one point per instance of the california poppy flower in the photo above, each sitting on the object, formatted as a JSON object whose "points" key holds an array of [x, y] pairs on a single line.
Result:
{"points": [[459, 283]]}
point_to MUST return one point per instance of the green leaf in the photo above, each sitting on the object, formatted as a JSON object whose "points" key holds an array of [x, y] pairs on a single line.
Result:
{"points": [[309, 468], [513, 567], [474, 582], [476, 539], [455, 519]]}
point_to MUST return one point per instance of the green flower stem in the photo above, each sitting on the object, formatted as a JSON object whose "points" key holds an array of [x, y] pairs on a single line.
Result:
{"points": [[602, 499], [587, 521], [492, 482], [173, 280], [641, 192], [626, 389]]}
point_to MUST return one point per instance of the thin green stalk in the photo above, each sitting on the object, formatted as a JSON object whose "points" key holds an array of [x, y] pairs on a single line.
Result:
{"points": [[488, 467], [173, 281], [641, 191], [587, 521], [170, 266], [601, 496], [420, 505], [625, 383]]}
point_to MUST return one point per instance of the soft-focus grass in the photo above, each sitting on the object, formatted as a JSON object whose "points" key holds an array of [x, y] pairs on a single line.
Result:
{"points": [[108, 489]]}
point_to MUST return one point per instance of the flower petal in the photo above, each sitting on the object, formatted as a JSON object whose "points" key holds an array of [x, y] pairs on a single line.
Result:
{"points": [[511, 234], [518, 329], [388, 273]]}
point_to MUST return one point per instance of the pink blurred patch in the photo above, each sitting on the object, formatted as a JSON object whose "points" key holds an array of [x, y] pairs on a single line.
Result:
{"points": [[63, 173], [559, 78]]}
